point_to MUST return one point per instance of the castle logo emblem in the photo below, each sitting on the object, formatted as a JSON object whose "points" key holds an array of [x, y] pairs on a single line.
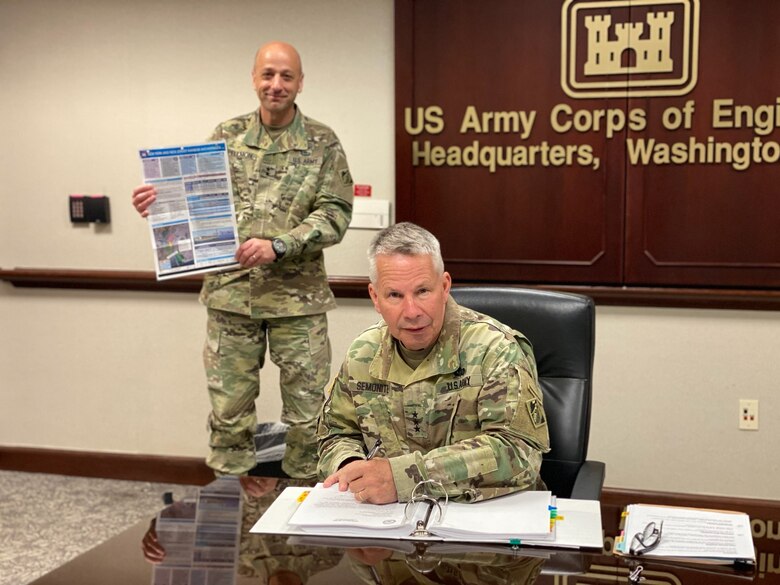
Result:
{"points": [[629, 48]]}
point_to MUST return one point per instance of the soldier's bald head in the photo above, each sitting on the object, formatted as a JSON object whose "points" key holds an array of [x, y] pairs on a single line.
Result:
{"points": [[275, 48], [277, 78]]}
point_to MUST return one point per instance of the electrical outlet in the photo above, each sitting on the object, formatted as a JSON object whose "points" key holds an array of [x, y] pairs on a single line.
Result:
{"points": [[748, 415]]}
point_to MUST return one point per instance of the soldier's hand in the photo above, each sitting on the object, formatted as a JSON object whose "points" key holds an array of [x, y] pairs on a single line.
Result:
{"points": [[257, 486], [255, 252], [151, 547], [143, 197], [371, 481]]}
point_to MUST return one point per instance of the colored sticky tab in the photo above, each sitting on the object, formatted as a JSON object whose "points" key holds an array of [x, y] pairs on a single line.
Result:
{"points": [[303, 496], [553, 516]]}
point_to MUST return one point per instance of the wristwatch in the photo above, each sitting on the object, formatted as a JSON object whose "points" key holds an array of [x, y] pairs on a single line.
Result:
{"points": [[279, 248]]}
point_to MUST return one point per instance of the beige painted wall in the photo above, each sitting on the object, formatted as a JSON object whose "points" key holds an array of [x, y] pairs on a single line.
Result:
{"points": [[88, 83]]}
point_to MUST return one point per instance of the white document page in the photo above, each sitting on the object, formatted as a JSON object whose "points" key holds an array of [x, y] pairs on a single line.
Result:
{"points": [[691, 532], [514, 516], [340, 513], [275, 519], [578, 525]]}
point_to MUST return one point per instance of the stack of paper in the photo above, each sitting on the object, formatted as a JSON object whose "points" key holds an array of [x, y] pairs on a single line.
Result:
{"points": [[691, 534], [328, 511], [520, 516], [513, 517]]}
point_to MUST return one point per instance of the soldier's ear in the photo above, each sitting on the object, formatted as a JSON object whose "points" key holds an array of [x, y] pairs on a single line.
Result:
{"points": [[374, 296], [447, 283]]}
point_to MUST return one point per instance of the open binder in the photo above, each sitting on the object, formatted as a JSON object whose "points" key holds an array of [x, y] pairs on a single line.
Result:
{"points": [[695, 535], [520, 519]]}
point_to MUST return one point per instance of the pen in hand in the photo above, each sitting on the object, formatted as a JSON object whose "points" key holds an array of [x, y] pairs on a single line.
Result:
{"points": [[374, 450]]}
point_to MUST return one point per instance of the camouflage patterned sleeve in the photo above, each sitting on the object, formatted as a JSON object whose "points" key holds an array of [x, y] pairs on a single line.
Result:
{"points": [[332, 209], [219, 133], [338, 433], [505, 455]]}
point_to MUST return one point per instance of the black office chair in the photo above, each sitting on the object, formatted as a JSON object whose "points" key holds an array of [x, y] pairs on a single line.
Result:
{"points": [[561, 327]]}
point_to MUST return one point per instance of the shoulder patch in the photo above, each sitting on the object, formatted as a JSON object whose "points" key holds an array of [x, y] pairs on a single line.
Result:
{"points": [[536, 412]]}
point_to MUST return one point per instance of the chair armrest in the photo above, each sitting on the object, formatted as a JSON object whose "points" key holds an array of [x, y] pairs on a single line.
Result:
{"points": [[590, 479]]}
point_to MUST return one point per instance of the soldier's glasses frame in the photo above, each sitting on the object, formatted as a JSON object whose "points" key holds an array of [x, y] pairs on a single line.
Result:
{"points": [[646, 540]]}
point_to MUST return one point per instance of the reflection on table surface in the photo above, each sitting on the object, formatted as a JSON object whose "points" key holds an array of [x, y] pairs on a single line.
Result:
{"points": [[208, 553], [291, 560]]}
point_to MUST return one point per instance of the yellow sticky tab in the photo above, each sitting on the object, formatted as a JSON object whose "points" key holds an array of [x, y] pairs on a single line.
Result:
{"points": [[303, 496], [553, 520]]}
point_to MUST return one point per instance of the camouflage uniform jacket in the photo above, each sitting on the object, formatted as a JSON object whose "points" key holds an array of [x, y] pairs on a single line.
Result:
{"points": [[470, 416], [298, 189]]}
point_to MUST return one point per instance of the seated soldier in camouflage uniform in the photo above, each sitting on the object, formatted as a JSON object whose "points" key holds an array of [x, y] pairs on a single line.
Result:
{"points": [[451, 393]]}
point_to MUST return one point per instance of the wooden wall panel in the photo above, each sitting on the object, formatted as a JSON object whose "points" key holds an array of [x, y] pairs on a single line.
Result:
{"points": [[621, 221], [527, 222], [708, 223]]}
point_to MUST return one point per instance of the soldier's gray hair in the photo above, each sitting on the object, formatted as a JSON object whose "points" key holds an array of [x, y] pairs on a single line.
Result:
{"points": [[407, 239]]}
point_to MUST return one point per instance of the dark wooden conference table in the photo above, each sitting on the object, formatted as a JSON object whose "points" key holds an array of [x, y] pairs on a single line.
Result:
{"points": [[268, 559]]}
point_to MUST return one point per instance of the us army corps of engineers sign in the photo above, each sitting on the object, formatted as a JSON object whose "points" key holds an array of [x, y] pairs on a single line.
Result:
{"points": [[653, 56]]}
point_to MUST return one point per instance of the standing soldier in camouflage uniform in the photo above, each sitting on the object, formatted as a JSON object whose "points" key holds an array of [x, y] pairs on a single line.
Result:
{"points": [[451, 393], [293, 195]]}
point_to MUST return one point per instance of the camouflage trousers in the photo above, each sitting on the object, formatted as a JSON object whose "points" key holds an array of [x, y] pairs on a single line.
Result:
{"points": [[233, 355]]}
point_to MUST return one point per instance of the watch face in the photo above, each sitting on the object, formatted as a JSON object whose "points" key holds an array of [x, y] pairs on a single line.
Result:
{"points": [[279, 247]]}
